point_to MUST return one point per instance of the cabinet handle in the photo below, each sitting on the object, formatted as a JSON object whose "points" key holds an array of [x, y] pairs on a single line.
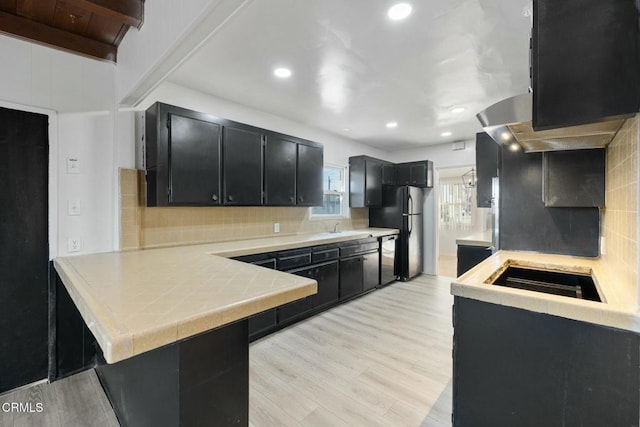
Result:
{"points": [[214, 197], [301, 199], [292, 199], [230, 198]]}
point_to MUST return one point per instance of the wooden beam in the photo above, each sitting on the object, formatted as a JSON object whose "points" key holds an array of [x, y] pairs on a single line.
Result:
{"points": [[130, 12], [25, 28]]}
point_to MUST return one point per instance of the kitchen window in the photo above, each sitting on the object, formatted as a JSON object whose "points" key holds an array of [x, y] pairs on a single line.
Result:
{"points": [[455, 205], [333, 199]]}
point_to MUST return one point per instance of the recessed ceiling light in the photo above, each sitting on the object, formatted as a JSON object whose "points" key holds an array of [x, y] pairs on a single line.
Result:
{"points": [[282, 72], [391, 125], [399, 11], [346, 129], [457, 110], [447, 133]]}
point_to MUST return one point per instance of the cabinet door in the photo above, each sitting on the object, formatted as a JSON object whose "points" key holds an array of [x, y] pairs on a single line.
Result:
{"points": [[194, 161], [389, 174], [242, 166], [328, 284], [280, 172], [297, 308], [309, 182], [373, 187], [350, 277], [487, 160], [357, 181], [371, 270], [418, 174], [404, 174], [591, 74]]}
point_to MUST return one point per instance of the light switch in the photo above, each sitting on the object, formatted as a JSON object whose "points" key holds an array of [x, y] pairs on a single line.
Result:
{"points": [[73, 165], [73, 207], [276, 227]]}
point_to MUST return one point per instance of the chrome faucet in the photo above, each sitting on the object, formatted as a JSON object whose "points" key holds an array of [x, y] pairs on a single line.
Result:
{"points": [[335, 228]]}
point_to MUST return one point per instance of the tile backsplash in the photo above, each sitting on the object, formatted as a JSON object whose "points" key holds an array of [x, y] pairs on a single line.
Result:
{"points": [[144, 227], [620, 217]]}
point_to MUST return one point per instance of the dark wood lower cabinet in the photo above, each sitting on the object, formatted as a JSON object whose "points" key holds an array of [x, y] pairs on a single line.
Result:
{"points": [[514, 367], [351, 276], [328, 284], [199, 381]]}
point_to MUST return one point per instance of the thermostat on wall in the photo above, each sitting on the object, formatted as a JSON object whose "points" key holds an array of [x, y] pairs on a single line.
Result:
{"points": [[73, 165]]}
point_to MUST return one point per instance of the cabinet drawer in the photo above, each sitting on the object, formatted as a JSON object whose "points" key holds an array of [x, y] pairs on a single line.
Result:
{"points": [[324, 255], [292, 261]]}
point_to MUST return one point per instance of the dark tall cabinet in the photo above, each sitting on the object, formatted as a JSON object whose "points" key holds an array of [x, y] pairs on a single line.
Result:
{"points": [[242, 167], [585, 61], [24, 249], [487, 164], [309, 175]]}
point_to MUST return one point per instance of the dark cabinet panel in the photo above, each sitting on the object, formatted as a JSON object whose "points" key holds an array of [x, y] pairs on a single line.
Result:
{"points": [[194, 161], [389, 171], [351, 277], [242, 153], [24, 277], [309, 182], [297, 308], [514, 367], [487, 163], [404, 174], [365, 182], [585, 61], [470, 256], [328, 284], [370, 270], [182, 149], [416, 174], [280, 171], [574, 178]]}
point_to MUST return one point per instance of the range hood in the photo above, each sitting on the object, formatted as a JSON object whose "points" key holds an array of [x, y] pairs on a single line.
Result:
{"points": [[508, 122]]}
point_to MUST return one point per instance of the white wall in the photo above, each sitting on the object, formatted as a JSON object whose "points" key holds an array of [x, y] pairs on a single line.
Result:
{"points": [[87, 137], [78, 94], [337, 150], [171, 32], [442, 157]]}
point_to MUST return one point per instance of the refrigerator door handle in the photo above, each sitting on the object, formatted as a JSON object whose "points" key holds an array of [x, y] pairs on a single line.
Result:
{"points": [[410, 224], [410, 205]]}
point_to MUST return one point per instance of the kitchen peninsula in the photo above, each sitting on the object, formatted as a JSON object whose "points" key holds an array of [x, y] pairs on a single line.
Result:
{"points": [[172, 323]]}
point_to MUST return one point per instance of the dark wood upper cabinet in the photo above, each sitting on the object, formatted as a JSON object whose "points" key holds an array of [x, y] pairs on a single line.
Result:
{"points": [[365, 182], [573, 178], [195, 159], [389, 172], [487, 163], [416, 174], [280, 171], [585, 61], [182, 157], [242, 166], [309, 175]]}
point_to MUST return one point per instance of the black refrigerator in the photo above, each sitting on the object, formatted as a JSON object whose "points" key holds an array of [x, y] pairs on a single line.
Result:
{"points": [[402, 209]]}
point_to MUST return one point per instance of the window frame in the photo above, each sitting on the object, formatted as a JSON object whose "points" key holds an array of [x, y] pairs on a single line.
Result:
{"points": [[344, 204]]}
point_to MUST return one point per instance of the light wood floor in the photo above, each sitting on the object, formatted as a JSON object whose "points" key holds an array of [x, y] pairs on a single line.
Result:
{"points": [[381, 360]]}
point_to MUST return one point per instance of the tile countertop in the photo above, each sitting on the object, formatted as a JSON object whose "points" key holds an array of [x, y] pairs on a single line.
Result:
{"points": [[136, 301], [619, 310], [482, 238]]}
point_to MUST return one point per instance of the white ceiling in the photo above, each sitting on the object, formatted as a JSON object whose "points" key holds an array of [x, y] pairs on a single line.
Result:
{"points": [[355, 68]]}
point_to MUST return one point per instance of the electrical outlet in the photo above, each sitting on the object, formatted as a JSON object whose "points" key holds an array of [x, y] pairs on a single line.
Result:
{"points": [[276, 227], [73, 207], [73, 244]]}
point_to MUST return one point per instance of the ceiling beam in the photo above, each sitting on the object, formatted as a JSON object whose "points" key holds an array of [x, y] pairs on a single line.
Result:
{"points": [[130, 12], [13, 25]]}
